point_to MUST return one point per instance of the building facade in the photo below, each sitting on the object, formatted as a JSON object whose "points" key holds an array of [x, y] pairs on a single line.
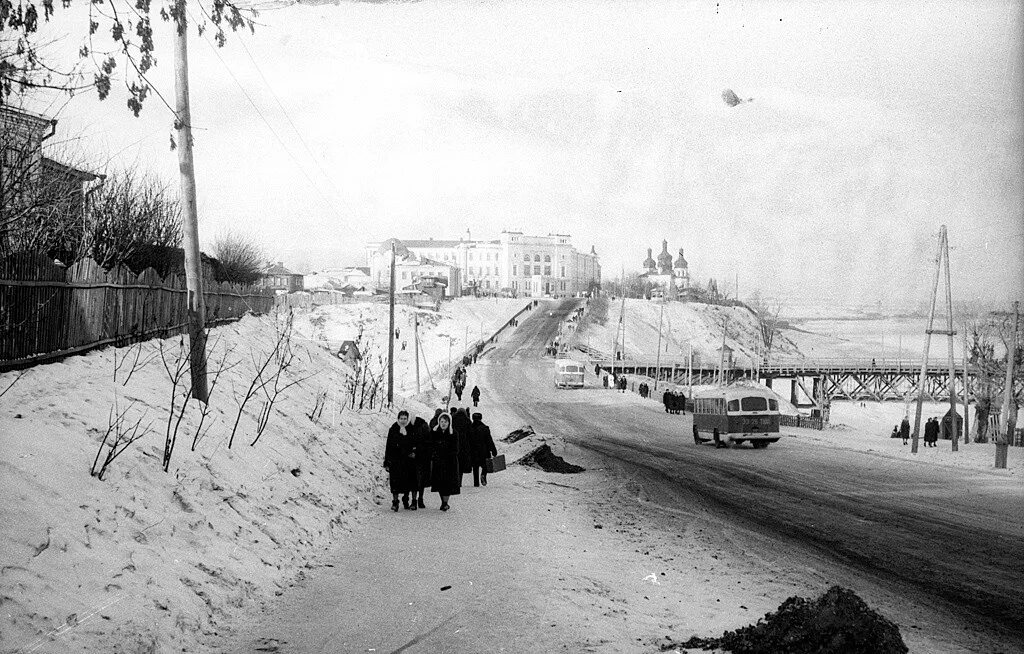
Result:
{"points": [[514, 263]]}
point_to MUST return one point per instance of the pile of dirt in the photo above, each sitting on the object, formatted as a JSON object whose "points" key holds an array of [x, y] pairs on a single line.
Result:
{"points": [[838, 622], [543, 458], [518, 434]]}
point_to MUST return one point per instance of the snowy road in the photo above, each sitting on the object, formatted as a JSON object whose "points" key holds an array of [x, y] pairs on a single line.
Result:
{"points": [[948, 553]]}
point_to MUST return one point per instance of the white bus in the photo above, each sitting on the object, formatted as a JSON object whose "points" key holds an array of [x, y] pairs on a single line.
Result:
{"points": [[568, 373]]}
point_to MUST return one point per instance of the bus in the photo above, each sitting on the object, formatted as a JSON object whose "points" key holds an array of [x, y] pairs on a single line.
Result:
{"points": [[568, 373], [732, 415]]}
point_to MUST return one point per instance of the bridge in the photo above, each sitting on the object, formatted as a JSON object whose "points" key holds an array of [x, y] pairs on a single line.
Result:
{"points": [[833, 379]]}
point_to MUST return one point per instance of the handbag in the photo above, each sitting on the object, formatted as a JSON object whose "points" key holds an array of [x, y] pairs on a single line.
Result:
{"points": [[495, 463]]}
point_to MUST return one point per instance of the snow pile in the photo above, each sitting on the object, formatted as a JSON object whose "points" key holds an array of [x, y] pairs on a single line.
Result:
{"points": [[156, 561], [838, 622], [542, 457]]}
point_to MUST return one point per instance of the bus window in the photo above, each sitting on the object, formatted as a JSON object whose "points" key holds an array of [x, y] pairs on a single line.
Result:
{"points": [[773, 405], [754, 404], [734, 405]]}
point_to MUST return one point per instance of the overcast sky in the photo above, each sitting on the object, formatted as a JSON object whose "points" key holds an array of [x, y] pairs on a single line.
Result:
{"points": [[870, 125]]}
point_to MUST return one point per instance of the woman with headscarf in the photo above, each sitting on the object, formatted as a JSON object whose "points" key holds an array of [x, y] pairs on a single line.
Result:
{"points": [[400, 460], [445, 478], [437, 414]]}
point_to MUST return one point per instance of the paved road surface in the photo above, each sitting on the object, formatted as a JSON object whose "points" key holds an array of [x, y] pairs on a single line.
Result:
{"points": [[897, 525]]}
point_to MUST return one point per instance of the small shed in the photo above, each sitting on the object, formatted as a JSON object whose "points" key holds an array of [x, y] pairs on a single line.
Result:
{"points": [[724, 354], [349, 353], [947, 424]]}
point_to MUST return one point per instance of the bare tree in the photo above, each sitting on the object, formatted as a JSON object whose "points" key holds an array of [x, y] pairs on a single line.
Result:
{"points": [[769, 325], [177, 369], [242, 260]]}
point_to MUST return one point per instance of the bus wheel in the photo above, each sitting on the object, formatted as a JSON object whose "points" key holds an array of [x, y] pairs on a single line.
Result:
{"points": [[696, 436], [718, 439]]}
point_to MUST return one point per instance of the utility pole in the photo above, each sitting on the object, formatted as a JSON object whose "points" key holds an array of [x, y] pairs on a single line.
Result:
{"points": [[941, 257], [416, 345], [657, 365], [689, 367], [391, 331], [196, 303], [1007, 416]]}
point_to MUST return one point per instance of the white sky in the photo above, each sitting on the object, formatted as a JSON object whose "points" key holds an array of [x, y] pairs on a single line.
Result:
{"points": [[872, 124]]}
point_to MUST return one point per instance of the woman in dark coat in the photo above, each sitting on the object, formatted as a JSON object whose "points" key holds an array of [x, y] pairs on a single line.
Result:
{"points": [[481, 448], [462, 426], [400, 460], [421, 434], [445, 478]]}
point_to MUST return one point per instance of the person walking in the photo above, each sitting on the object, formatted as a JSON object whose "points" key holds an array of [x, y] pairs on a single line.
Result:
{"points": [[666, 399], [905, 429], [475, 394], [481, 448], [445, 478], [400, 460], [462, 425], [421, 434]]}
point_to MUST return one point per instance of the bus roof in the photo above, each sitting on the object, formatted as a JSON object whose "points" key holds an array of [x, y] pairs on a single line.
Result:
{"points": [[736, 392]]}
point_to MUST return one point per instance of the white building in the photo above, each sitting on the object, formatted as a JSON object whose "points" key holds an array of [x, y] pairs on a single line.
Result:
{"points": [[524, 265], [412, 269]]}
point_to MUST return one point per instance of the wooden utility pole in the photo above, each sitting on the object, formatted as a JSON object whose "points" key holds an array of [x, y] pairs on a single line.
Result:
{"points": [[1006, 415], [689, 368], [391, 331], [657, 365], [942, 257], [416, 345], [196, 304]]}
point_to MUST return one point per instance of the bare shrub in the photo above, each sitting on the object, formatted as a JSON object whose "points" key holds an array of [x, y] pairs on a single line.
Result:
{"points": [[241, 259], [120, 434]]}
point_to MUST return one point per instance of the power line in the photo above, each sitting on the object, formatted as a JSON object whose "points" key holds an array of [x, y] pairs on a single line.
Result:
{"points": [[269, 126]]}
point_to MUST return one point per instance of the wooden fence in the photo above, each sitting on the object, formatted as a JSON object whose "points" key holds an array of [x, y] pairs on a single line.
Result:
{"points": [[48, 310], [801, 421]]}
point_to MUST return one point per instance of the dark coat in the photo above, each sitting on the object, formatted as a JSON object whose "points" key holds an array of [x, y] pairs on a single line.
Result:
{"points": [[400, 459], [461, 424], [481, 445], [445, 476], [433, 421], [475, 394], [424, 451], [905, 428]]}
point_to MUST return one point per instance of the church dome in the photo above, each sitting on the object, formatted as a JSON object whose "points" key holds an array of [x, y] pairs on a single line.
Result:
{"points": [[681, 261], [665, 259], [650, 263]]}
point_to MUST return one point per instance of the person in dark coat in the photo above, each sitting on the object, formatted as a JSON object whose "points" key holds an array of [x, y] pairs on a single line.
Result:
{"points": [[433, 421], [421, 434], [666, 399], [475, 394], [905, 429], [461, 424], [481, 448], [445, 478], [400, 460]]}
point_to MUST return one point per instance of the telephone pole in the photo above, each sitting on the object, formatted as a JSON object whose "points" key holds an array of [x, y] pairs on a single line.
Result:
{"points": [[196, 304], [657, 365], [416, 345], [1006, 434], [391, 331]]}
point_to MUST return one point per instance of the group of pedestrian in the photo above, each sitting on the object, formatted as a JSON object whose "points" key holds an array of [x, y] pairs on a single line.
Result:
{"points": [[931, 432], [674, 402], [436, 454], [643, 390]]}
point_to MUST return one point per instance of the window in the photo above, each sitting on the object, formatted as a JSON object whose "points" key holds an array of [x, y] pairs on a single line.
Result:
{"points": [[547, 270], [536, 257], [488, 256], [734, 405], [515, 270], [754, 404], [547, 258], [526, 257], [528, 284], [470, 256], [773, 405], [563, 286], [536, 270], [563, 271]]}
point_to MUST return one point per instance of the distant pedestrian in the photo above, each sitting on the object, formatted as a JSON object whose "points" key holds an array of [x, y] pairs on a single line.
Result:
{"points": [[604, 381], [481, 448], [896, 433], [445, 478], [905, 429], [475, 394], [400, 460], [666, 399]]}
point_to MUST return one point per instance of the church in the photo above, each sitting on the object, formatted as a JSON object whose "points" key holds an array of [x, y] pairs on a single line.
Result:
{"points": [[669, 280]]}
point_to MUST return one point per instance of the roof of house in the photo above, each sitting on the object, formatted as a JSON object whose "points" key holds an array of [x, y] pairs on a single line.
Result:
{"points": [[83, 175], [278, 269]]}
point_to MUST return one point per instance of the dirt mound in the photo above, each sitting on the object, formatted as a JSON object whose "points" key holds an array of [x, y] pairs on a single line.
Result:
{"points": [[543, 458], [518, 434], [838, 622]]}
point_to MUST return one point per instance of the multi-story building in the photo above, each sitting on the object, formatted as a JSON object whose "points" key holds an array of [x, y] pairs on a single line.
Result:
{"points": [[516, 262]]}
